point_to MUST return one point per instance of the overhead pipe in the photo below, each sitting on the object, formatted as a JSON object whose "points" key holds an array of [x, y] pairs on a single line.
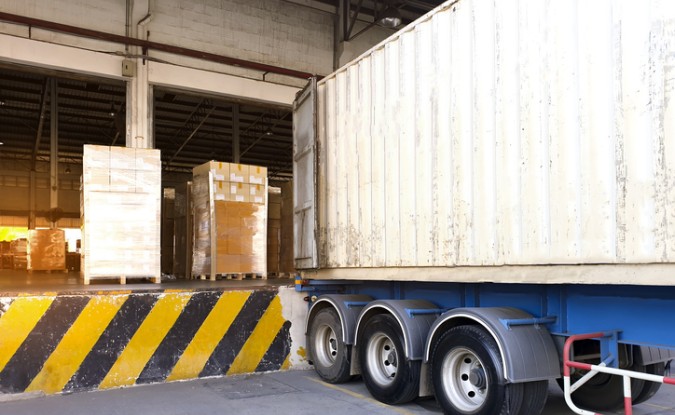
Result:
{"points": [[146, 45]]}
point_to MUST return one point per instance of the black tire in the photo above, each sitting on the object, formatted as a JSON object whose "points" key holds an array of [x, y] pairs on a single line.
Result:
{"points": [[467, 374], [650, 388], [389, 376], [535, 395], [603, 392], [327, 351]]}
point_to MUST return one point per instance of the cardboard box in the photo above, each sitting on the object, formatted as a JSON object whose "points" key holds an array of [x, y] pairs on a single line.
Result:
{"points": [[274, 203], [239, 173], [121, 225], [96, 179], [286, 255], [257, 175], [221, 190], [239, 192], [96, 157], [257, 194], [123, 158], [226, 264], [220, 170], [240, 245], [146, 181], [238, 229], [46, 250], [273, 246], [122, 180], [148, 160], [227, 224], [274, 211], [249, 263]]}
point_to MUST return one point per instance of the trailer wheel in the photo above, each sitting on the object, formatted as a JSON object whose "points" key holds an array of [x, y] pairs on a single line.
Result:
{"points": [[603, 392], [466, 371], [650, 388], [389, 376], [535, 395], [327, 350]]}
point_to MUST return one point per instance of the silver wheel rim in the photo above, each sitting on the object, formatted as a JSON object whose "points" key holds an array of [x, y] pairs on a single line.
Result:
{"points": [[464, 379], [382, 359], [326, 345]]}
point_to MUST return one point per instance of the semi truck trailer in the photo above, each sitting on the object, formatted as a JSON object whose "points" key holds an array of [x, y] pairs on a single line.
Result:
{"points": [[485, 202]]}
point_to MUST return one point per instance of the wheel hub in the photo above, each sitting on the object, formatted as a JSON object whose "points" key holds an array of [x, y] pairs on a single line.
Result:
{"points": [[326, 345], [391, 358], [382, 359], [464, 379], [477, 378]]}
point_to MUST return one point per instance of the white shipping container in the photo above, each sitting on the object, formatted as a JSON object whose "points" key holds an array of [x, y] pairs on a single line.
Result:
{"points": [[490, 140]]}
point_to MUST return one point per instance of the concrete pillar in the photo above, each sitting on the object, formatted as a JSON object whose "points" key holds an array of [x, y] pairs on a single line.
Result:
{"points": [[139, 92], [139, 108], [32, 201], [54, 146], [236, 140]]}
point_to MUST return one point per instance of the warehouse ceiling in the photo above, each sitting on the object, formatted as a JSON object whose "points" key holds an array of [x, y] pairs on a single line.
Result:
{"points": [[370, 11], [410, 9], [189, 129]]}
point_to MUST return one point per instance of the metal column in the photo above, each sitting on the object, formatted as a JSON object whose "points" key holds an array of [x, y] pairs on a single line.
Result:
{"points": [[236, 141], [54, 147]]}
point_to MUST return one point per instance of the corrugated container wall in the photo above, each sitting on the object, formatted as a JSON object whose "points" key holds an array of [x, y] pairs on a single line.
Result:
{"points": [[504, 132]]}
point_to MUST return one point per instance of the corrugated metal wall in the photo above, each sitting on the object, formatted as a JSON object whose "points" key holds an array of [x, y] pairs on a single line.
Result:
{"points": [[504, 132]]}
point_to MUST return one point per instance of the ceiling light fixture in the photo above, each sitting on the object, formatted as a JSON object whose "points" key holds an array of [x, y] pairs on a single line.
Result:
{"points": [[67, 169], [390, 17], [112, 109]]}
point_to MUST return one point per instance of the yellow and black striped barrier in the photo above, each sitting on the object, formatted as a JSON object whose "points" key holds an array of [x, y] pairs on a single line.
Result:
{"points": [[63, 343]]}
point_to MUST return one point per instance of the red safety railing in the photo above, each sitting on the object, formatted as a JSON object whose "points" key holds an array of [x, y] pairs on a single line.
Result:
{"points": [[592, 370]]}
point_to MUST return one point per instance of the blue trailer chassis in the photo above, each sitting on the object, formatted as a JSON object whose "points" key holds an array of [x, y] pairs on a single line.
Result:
{"points": [[642, 315]]}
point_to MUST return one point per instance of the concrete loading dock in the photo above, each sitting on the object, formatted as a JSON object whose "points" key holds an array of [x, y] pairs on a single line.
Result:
{"points": [[81, 339]]}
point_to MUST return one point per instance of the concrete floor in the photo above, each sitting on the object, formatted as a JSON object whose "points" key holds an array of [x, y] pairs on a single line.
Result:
{"points": [[295, 392], [21, 281]]}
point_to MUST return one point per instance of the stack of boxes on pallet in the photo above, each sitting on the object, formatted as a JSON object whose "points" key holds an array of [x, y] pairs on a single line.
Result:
{"points": [[120, 208], [230, 219], [182, 252], [5, 255], [274, 231], [19, 249], [286, 256], [167, 232], [46, 250], [280, 231]]}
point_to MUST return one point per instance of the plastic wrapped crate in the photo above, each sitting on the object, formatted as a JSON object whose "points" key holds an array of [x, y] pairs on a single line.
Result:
{"points": [[46, 250], [230, 220], [121, 213]]}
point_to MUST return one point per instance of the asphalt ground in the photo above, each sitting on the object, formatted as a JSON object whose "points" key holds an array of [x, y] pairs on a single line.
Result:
{"points": [[294, 392]]}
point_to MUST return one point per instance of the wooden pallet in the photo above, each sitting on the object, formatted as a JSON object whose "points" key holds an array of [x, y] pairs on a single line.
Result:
{"points": [[233, 276], [48, 271], [280, 275], [122, 278]]}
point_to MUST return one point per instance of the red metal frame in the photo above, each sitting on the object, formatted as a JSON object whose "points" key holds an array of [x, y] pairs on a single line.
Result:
{"points": [[568, 363]]}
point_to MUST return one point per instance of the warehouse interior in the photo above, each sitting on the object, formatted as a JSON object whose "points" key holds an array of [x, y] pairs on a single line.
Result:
{"points": [[191, 123], [189, 130], [138, 141]]}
